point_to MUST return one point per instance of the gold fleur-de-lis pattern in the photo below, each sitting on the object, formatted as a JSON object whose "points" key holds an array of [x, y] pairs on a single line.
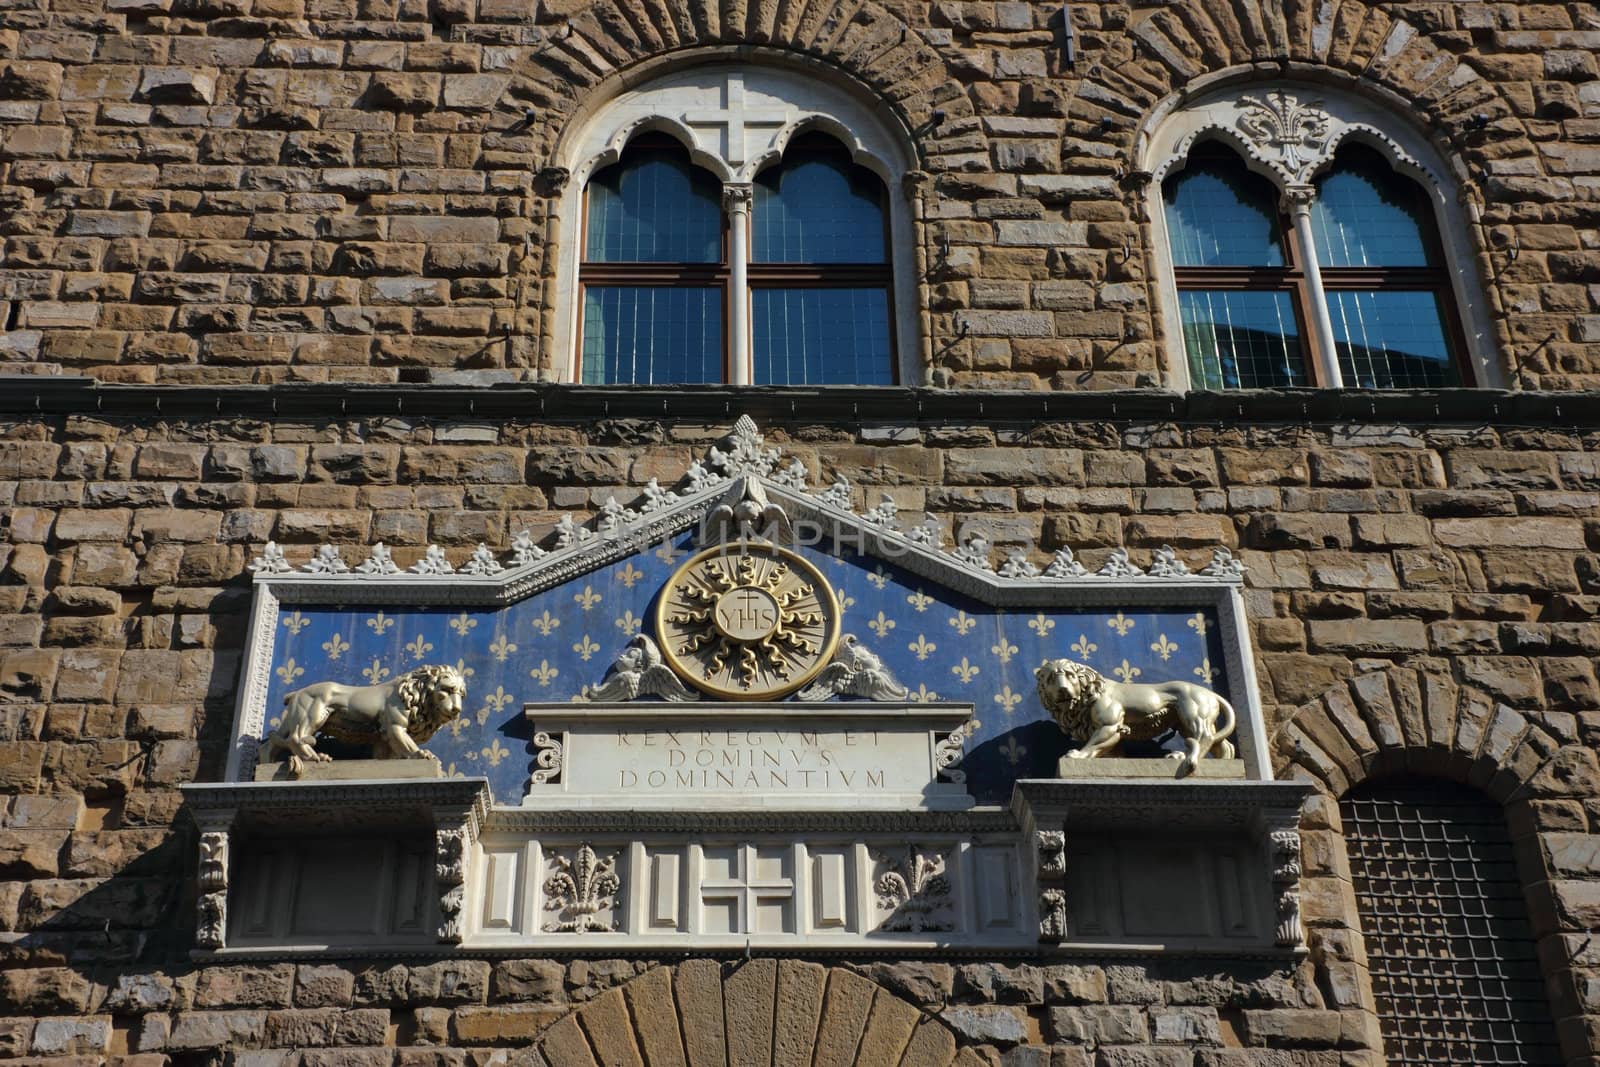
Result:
{"points": [[548, 646]]}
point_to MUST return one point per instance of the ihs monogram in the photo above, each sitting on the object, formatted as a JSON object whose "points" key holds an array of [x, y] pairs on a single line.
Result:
{"points": [[747, 620]]}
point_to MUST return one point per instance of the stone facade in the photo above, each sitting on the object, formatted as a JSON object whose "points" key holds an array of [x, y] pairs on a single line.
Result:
{"points": [[231, 193]]}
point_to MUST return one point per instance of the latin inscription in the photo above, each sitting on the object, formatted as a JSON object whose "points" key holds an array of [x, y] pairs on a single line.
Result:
{"points": [[750, 760]]}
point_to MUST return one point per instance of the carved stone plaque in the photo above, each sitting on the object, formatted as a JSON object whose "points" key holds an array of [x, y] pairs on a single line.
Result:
{"points": [[747, 621], [798, 755]]}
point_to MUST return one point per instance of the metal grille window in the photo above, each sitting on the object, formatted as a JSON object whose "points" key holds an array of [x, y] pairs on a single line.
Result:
{"points": [[1451, 954]]}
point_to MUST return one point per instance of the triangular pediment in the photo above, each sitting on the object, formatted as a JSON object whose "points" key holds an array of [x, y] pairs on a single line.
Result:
{"points": [[546, 620]]}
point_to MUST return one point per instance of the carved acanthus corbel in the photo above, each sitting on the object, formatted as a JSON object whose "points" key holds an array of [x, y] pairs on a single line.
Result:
{"points": [[1282, 833], [455, 830]]}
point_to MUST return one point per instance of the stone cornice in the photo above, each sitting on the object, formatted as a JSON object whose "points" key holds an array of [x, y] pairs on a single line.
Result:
{"points": [[23, 395]]}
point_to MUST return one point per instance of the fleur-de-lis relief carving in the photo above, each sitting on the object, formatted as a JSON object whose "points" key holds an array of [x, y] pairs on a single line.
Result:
{"points": [[586, 599], [919, 600], [289, 670], [1012, 751], [915, 892], [1007, 699], [336, 646], [1041, 625], [545, 623], [1127, 671], [375, 673], [569, 533], [1166, 564], [669, 553], [494, 752], [837, 494], [501, 648], [879, 578], [965, 671], [929, 533], [629, 623], [380, 624], [974, 552], [881, 625], [655, 497], [580, 891], [1120, 623], [1004, 650], [1280, 124], [963, 623], [462, 623], [1083, 648], [544, 673], [1163, 648], [419, 646], [295, 622], [1017, 565], [922, 695], [1117, 565], [883, 515], [1223, 565], [922, 647], [1197, 622], [1206, 672], [586, 648], [629, 575], [493, 704]]}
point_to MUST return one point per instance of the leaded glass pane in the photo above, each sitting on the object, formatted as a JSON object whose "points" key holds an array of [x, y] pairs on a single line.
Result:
{"points": [[1366, 215], [1391, 339], [817, 209], [1241, 339], [651, 335], [1454, 968], [654, 207], [821, 336], [1220, 215]]}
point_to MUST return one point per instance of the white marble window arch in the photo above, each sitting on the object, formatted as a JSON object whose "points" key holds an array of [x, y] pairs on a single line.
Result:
{"points": [[1293, 135], [736, 119]]}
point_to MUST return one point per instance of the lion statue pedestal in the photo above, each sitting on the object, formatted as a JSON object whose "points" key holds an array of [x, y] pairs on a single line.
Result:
{"points": [[1081, 769], [350, 770]]}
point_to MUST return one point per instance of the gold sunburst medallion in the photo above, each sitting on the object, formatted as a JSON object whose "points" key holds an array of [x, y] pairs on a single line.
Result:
{"points": [[747, 621]]}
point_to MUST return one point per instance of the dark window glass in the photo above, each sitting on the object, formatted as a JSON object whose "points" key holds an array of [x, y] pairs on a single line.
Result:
{"points": [[1366, 215], [817, 208], [821, 336], [1391, 339], [1219, 214], [651, 335], [1241, 339], [1452, 958], [654, 207]]}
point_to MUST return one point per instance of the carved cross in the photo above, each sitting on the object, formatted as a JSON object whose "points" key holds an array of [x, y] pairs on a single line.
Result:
{"points": [[751, 885], [736, 116]]}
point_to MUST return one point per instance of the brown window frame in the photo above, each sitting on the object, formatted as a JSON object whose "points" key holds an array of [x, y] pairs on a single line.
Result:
{"points": [[719, 275], [1291, 278]]}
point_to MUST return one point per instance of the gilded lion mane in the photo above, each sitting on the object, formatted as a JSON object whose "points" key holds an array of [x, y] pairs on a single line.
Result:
{"points": [[1070, 709]]}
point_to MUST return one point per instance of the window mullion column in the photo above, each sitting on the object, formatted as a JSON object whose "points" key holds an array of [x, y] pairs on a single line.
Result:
{"points": [[1297, 199], [736, 202]]}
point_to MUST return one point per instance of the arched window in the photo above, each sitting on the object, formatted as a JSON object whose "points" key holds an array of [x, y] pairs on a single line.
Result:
{"points": [[653, 272], [1382, 266], [1238, 291], [1302, 244], [1452, 959], [819, 275], [736, 224]]}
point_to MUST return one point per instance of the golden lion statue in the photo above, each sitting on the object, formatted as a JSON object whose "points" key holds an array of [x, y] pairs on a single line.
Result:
{"points": [[1100, 713], [394, 718]]}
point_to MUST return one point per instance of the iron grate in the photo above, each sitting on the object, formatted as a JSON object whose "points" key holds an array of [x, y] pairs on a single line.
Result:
{"points": [[1448, 943]]}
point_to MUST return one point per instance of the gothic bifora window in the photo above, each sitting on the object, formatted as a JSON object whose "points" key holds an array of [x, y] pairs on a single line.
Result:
{"points": [[1300, 254], [670, 254], [736, 224]]}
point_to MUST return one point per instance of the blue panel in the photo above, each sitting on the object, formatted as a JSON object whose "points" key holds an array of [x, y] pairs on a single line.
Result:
{"points": [[943, 646]]}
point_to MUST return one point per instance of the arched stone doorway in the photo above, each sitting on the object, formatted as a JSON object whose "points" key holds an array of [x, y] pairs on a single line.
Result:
{"points": [[756, 1013]]}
